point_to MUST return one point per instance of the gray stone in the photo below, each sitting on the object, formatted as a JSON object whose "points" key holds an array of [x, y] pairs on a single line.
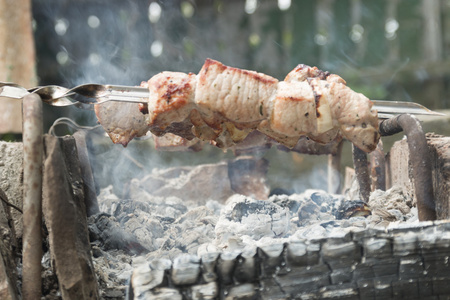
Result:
{"points": [[11, 177]]}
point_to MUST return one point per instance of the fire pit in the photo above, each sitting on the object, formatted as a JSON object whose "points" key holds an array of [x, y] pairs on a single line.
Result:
{"points": [[214, 231]]}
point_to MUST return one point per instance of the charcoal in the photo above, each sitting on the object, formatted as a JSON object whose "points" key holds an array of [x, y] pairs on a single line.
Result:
{"points": [[425, 287], [270, 289], [305, 279], [341, 275], [410, 268], [271, 259], [285, 201], [185, 270], [163, 293], [148, 276], [377, 247], [204, 291], [435, 264], [241, 292], [363, 270], [225, 267], [246, 268], [208, 266], [341, 291], [308, 211], [339, 270], [253, 218], [405, 244], [296, 254], [337, 254], [384, 267], [441, 286], [289, 246], [365, 287], [107, 230], [352, 208]]}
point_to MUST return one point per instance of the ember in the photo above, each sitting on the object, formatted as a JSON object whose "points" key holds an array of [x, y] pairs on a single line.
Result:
{"points": [[239, 225]]}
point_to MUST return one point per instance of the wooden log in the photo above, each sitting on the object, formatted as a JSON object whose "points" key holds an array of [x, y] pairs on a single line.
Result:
{"points": [[32, 196], [65, 217], [440, 157], [401, 263], [397, 169], [90, 194]]}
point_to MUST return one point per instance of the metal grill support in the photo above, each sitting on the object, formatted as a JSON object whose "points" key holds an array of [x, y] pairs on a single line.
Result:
{"points": [[362, 172], [419, 158]]}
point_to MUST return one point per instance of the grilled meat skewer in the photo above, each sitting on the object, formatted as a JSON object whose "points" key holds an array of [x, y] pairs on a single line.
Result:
{"points": [[224, 104]]}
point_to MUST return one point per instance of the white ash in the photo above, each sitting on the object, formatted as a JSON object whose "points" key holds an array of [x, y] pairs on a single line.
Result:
{"points": [[169, 227]]}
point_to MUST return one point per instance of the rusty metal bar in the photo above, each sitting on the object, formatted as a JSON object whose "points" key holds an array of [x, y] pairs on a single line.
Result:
{"points": [[32, 204], [378, 168], [334, 169], [419, 158], [362, 172]]}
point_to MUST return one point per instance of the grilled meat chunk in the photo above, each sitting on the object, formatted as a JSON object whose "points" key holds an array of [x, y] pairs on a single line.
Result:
{"points": [[121, 121], [234, 95]]}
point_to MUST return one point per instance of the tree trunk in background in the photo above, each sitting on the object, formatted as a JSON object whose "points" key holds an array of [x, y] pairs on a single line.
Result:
{"points": [[17, 58], [432, 49]]}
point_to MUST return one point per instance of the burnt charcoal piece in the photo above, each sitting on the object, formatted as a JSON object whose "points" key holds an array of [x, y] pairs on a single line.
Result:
{"points": [[244, 209], [352, 208], [254, 218], [280, 191], [287, 202], [108, 231], [386, 264]]}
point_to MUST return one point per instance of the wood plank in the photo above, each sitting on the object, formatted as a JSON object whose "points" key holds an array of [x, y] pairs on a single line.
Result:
{"points": [[65, 217]]}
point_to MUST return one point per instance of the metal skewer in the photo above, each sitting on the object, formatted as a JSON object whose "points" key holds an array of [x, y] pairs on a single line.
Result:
{"points": [[86, 95]]}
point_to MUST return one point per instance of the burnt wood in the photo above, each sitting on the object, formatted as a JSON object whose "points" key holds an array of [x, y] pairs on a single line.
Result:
{"points": [[65, 218], [401, 263]]}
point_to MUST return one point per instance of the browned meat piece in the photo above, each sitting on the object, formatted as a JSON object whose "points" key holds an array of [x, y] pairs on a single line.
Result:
{"points": [[231, 94], [303, 72], [121, 121], [223, 105], [171, 99], [172, 142], [293, 110], [358, 122]]}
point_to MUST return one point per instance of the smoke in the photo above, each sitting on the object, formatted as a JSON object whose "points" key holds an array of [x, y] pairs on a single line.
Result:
{"points": [[294, 173], [126, 42]]}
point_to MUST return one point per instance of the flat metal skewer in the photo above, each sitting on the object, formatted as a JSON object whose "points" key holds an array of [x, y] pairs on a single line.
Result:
{"points": [[86, 95]]}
